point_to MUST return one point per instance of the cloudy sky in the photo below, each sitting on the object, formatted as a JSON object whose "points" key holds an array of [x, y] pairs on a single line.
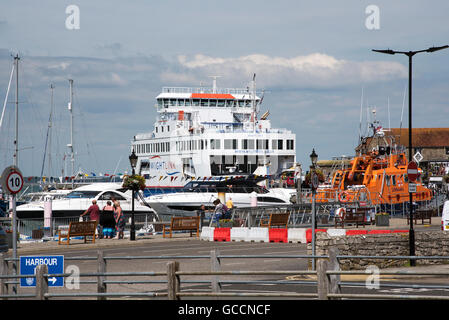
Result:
{"points": [[313, 59]]}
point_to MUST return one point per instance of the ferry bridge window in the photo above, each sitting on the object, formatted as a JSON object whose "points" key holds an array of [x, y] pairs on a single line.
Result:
{"points": [[230, 103], [204, 102], [221, 103], [166, 103], [212, 103], [173, 102], [290, 144], [196, 102], [181, 102], [248, 103], [187, 103], [160, 103], [241, 103]]}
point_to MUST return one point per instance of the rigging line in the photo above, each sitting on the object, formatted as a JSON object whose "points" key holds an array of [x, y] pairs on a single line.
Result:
{"points": [[7, 93]]}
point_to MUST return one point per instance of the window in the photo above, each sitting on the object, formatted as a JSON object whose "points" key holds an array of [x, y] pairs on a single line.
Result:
{"points": [[196, 102], [181, 102], [230, 103], [247, 144], [230, 144], [173, 102], [262, 144], [108, 195], [160, 103], [212, 103], [241, 103], [221, 103], [215, 143], [204, 102], [290, 144], [187, 102]]}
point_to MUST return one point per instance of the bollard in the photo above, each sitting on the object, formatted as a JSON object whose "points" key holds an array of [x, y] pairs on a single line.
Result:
{"points": [[172, 280], [101, 285], [41, 282]]}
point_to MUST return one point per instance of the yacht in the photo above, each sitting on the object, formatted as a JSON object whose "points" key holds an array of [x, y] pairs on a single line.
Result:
{"points": [[78, 200], [206, 133], [242, 190]]}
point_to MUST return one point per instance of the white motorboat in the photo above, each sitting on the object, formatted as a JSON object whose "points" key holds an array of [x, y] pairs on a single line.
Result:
{"points": [[243, 191], [79, 199]]}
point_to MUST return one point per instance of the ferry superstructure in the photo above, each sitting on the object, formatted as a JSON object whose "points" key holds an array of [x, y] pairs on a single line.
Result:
{"points": [[210, 133]]}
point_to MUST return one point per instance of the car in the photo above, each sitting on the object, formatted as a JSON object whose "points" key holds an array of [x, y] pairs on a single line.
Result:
{"points": [[3, 240]]}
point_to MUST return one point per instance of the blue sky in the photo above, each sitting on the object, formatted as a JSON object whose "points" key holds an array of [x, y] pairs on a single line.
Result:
{"points": [[313, 58]]}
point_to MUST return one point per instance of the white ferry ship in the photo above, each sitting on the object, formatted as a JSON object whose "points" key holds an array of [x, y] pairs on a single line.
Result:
{"points": [[207, 134]]}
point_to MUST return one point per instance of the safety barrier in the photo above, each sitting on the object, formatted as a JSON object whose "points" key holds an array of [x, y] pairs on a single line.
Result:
{"points": [[289, 235]]}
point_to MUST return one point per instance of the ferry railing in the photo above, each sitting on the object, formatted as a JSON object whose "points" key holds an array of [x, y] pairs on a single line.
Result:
{"points": [[175, 283]]}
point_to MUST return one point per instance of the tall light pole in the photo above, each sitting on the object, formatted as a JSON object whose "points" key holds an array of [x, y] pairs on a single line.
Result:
{"points": [[410, 55], [133, 162], [314, 182]]}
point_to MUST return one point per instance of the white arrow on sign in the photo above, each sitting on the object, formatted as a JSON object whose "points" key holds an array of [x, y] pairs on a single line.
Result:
{"points": [[53, 280]]}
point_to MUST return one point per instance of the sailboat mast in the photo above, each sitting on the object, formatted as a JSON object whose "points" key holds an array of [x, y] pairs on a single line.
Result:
{"points": [[16, 140], [72, 154]]}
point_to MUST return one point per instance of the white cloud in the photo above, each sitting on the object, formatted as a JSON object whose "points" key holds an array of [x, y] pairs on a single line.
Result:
{"points": [[316, 70]]}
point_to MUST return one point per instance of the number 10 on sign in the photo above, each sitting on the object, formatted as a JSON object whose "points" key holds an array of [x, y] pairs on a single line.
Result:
{"points": [[14, 182]]}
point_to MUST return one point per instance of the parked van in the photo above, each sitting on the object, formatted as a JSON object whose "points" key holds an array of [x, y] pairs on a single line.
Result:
{"points": [[445, 217]]}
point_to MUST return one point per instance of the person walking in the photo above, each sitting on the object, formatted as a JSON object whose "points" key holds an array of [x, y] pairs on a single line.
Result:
{"points": [[107, 220], [119, 219]]}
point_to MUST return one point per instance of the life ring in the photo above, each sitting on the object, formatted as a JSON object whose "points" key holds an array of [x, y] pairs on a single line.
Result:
{"points": [[343, 197], [340, 212]]}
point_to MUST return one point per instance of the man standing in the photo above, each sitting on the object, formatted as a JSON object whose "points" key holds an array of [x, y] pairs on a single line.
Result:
{"points": [[94, 215], [94, 211]]}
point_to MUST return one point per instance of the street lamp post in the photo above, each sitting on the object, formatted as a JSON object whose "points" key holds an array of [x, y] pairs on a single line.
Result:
{"points": [[133, 162], [410, 55], [313, 179]]}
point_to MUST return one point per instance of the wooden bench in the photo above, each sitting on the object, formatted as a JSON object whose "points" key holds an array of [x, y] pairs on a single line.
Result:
{"points": [[276, 220], [182, 224], [357, 217], [421, 214], [77, 229]]}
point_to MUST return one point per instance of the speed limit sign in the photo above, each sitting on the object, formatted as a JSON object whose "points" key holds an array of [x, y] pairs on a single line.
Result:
{"points": [[12, 180]]}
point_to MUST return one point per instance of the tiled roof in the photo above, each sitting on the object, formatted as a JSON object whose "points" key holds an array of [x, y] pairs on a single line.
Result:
{"points": [[422, 137]]}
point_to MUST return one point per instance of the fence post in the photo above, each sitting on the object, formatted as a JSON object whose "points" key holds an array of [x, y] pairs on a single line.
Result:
{"points": [[173, 284], [41, 282], [215, 266], [101, 268], [322, 279], [334, 265]]}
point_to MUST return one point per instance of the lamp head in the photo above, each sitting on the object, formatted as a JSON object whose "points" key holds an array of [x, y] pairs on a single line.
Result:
{"points": [[433, 49], [133, 159], [388, 51], [313, 157]]}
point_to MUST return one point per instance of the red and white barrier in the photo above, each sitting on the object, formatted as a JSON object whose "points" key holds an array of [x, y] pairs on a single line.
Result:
{"points": [[292, 235]]}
